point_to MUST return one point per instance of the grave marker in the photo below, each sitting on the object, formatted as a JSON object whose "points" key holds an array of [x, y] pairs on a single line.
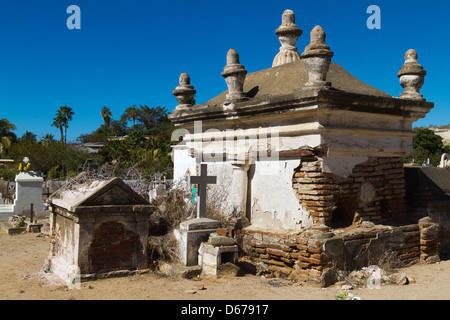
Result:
{"points": [[193, 232], [202, 181]]}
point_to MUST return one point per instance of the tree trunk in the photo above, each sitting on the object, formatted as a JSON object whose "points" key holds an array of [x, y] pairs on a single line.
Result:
{"points": [[62, 135]]}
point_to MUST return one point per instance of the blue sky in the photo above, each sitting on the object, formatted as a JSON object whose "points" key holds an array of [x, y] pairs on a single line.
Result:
{"points": [[133, 52]]}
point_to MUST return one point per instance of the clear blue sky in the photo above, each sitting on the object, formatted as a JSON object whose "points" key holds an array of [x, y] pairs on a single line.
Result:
{"points": [[132, 52]]}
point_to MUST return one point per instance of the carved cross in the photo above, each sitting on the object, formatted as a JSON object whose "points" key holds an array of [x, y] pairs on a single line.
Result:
{"points": [[202, 181]]}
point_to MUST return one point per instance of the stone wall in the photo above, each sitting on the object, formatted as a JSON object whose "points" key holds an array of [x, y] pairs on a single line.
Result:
{"points": [[374, 191], [427, 195], [317, 255]]}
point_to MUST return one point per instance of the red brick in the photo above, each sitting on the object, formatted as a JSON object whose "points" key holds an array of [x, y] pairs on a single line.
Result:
{"points": [[429, 242], [304, 265], [277, 253], [314, 250]]}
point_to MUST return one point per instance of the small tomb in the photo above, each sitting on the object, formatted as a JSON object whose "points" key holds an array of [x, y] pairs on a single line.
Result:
{"points": [[216, 252], [96, 227]]}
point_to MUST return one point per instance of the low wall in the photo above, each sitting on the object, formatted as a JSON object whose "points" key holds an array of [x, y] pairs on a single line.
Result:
{"points": [[318, 255]]}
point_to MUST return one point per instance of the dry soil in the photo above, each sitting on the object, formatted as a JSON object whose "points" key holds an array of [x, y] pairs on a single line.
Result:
{"points": [[22, 278]]}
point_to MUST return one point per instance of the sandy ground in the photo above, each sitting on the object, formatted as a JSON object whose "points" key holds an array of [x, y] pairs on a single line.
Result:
{"points": [[22, 278]]}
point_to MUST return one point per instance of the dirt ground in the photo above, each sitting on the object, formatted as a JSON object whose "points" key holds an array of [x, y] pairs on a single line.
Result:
{"points": [[22, 278]]}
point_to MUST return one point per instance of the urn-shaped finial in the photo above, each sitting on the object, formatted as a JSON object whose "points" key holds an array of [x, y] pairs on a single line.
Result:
{"points": [[184, 93], [412, 77], [234, 74], [288, 34], [317, 57]]}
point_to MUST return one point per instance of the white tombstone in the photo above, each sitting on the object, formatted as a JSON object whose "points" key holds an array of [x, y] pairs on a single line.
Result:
{"points": [[445, 161], [28, 191]]}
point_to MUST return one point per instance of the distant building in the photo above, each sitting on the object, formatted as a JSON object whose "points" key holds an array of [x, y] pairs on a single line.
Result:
{"points": [[5, 162], [92, 147]]}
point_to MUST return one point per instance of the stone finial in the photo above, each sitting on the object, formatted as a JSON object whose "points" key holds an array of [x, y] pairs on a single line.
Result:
{"points": [[412, 76], [288, 34], [317, 57], [184, 93], [234, 74]]}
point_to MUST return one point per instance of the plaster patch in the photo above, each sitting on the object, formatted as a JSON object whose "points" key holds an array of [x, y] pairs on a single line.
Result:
{"points": [[341, 166]]}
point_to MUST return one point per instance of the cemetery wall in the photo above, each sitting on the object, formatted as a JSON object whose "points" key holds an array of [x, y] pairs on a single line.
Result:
{"points": [[440, 213]]}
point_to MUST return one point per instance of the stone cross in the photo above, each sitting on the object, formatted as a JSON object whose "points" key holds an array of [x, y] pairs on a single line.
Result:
{"points": [[202, 180]]}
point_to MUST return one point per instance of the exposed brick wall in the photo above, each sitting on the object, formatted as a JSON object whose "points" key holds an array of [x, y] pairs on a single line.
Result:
{"points": [[113, 247], [429, 240], [333, 202], [285, 255], [304, 255], [408, 251]]}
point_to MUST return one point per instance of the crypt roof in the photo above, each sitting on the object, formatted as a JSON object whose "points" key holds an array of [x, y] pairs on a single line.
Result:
{"points": [[90, 193], [299, 82], [290, 78]]}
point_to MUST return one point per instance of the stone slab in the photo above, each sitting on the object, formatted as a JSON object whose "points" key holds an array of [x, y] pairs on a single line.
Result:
{"points": [[217, 241], [9, 228], [199, 224]]}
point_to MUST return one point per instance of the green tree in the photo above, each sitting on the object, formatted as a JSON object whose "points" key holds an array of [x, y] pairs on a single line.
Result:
{"points": [[5, 144], [29, 136], [6, 130], [131, 113], [53, 159], [106, 115], [67, 114], [427, 145], [61, 121], [428, 140], [150, 117], [48, 138], [58, 123]]}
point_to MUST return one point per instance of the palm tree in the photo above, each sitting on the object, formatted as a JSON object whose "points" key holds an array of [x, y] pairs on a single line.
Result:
{"points": [[5, 144], [68, 113], [131, 113], [58, 123], [6, 129], [61, 121], [150, 116], [47, 139], [106, 115]]}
